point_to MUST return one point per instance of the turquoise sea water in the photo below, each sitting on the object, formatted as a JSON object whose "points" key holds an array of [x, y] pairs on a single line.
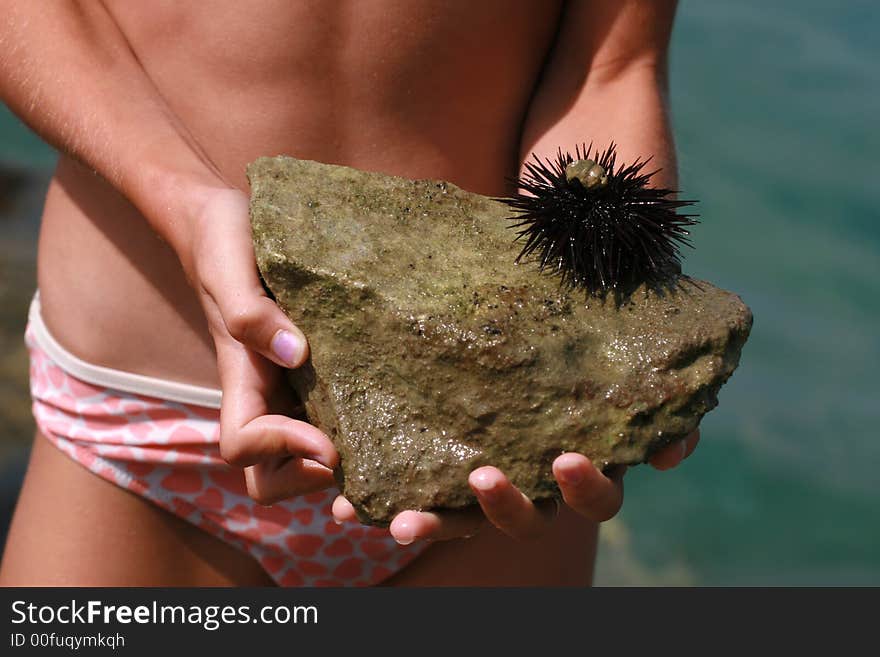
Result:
{"points": [[776, 109]]}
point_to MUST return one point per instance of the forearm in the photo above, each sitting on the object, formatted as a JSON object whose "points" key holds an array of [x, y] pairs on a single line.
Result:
{"points": [[67, 70], [607, 80], [630, 111]]}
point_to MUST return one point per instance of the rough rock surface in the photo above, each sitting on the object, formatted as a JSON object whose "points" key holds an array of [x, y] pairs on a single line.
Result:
{"points": [[433, 353]]}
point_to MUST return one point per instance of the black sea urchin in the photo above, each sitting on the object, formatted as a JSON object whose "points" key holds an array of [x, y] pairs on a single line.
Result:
{"points": [[597, 225]]}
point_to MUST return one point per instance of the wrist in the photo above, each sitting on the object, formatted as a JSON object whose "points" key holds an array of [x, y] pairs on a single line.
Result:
{"points": [[173, 200]]}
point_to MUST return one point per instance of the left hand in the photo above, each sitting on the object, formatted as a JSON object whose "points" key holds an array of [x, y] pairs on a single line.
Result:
{"points": [[589, 492]]}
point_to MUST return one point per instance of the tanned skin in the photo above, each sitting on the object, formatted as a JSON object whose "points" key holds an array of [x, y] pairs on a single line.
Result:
{"points": [[145, 260]]}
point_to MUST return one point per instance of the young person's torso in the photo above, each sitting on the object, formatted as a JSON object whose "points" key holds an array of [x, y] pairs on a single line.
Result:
{"points": [[428, 89]]}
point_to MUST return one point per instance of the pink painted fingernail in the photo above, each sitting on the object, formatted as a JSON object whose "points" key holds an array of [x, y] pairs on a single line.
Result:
{"points": [[288, 347]]}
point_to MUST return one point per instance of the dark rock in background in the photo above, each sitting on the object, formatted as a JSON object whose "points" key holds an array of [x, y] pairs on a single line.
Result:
{"points": [[433, 353]]}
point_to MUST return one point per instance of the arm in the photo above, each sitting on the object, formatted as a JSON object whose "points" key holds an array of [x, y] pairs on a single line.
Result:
{"points": [[605, 80], [67, 70], [608, 80]]}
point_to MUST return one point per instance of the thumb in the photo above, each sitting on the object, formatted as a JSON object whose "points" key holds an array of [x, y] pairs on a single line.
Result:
{"points": [[257, 322], [228, 275]]}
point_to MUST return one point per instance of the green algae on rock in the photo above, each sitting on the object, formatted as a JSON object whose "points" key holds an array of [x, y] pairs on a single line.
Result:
{"points": [[433, 353]]}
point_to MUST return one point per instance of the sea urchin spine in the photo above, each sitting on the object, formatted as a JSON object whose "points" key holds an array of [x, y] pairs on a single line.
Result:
{"points": [[599, 226]]}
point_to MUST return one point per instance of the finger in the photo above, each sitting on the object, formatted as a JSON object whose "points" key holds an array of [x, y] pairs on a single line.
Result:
{"points": [[692, 441], [272, 436], [505, 505], [670, 456], [248, 380], [256, 321], [343, 510], [267, 484], [585, 489], [410, 526], [248, 433], [230, 278]]}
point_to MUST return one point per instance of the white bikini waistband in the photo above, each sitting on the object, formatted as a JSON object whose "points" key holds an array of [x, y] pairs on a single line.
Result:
{"points": [[109, 378]]}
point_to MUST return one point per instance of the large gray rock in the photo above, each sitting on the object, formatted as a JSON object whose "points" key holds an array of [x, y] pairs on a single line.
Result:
{"points": [[433, 353]]}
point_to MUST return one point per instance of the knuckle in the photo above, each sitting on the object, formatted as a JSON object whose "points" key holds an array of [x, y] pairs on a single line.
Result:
{"points": [[244, 323], [232, 451]]}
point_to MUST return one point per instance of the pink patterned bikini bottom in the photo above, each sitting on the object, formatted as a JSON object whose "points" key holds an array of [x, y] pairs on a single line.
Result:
{"points": [[159, 439]]}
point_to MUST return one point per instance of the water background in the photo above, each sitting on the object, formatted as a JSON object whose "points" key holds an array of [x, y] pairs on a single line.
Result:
{"points": [[776, 107]]}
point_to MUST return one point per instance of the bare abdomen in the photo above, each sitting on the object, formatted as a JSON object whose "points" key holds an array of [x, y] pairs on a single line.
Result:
{"points": [[422, 90]]}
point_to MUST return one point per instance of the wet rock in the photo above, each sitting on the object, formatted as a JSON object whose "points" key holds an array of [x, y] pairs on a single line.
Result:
{"points": [[433, 353]]}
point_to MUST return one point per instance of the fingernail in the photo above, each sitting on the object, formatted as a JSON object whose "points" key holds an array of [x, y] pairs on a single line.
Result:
{"points": [[404, 534], [337, 520], [287, 347], [485, 485], [684, 448]]}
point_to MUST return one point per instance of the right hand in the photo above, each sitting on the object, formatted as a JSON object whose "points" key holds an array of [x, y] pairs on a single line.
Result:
{"points": [[283, 457]]}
